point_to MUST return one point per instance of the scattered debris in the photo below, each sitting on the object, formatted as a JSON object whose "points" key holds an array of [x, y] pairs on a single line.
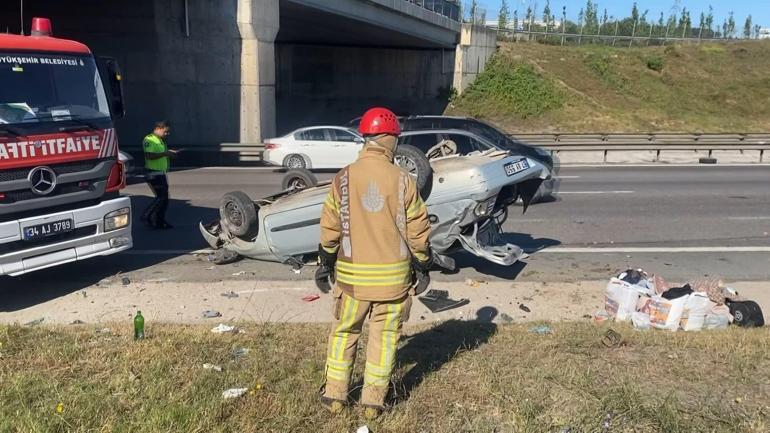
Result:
{"points": [[35, 322], [240, 352], [223, 329], [126, 281], [84, 293], [311, 298], [297, 270], [612, 338], [438, 300], [541, 330], [234, 393], [77, 322], [471, 282], [210, 314], [104, 331], [230, 295], [158, 280], [506, 318], [239, 273], [363, 429], [210, 268], [524, 308], [208, 366]]}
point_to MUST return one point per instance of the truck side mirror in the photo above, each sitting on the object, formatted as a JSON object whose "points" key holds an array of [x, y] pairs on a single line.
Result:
{"points": [[114, 86]]}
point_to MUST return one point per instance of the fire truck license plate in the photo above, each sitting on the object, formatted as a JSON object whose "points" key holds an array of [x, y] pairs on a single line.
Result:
{"points": [[516, 167], [39, 231]]}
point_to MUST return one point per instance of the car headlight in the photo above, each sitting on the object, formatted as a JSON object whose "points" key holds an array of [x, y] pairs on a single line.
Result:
{"points": [[117, 219]]}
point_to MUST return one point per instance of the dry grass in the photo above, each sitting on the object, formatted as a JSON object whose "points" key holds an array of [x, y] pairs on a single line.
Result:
{"points": [[706, 88], [456, 377]]}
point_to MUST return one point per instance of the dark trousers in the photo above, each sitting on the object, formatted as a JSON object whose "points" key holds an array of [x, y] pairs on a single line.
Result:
{"points": [[155, 214]]}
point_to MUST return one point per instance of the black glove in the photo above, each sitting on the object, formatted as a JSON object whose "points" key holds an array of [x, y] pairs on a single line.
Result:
{"points": [[324, 278], [420, 270], [420, 266], [326, 258]]}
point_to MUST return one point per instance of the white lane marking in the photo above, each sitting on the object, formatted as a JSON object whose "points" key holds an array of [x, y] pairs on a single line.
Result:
{"points": [[599, 250], [756, 218], [621, 165], [165, 252], [594, 192], [567, 177]]}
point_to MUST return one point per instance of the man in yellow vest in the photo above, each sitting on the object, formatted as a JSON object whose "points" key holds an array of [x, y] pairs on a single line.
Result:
{"points": [[374, 235], [156, 162]]}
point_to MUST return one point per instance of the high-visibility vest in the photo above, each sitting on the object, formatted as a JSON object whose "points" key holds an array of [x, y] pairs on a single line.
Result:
{"points": [[154, 144]]}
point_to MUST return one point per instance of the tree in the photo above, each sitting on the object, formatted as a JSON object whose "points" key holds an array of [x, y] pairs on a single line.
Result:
{"points": [[731, 24], [502, 17], [605, 17], [515, 20], [724, 29], [757, 27], [529, 18], [581, 17], [635, 13], [661, 23], [747, 28], [547, 13], [483, 17], [710, 19], [474, 6]]}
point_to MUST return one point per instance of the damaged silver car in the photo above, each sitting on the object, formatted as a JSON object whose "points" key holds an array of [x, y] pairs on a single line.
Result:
{"points": [[467, 198]]}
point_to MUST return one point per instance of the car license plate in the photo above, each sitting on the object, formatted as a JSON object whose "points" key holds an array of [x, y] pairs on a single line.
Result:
{"points": [[516, 167], [40, 231]]}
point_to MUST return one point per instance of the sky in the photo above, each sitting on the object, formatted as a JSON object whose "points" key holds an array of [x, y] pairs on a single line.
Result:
{"points": [[759, 9]]}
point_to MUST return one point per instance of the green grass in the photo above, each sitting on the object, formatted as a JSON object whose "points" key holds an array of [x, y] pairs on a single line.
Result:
{"points": [[455, 377], [706, 88]]}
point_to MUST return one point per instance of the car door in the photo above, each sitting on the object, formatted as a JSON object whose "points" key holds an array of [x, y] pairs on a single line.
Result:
{"points": [[313, 144], [345, 147]]}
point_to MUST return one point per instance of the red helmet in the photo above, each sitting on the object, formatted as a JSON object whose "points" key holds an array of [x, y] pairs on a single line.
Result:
{"points": [[378, 121]]}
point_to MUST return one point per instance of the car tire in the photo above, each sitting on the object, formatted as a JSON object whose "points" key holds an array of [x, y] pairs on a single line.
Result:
{"points": [[746, 314], [299, 178], [239, 214], [294, 161], [414, 161]]}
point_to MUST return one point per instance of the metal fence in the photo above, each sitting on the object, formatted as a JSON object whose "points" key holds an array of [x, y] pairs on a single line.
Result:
{"points": [[556, 37], [447, 8]]}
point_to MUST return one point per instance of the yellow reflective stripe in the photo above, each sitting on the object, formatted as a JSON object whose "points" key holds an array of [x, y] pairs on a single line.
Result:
{"points": [[389, 335], [330, 250], [373, 274], [341, 333], [376, 370], [372, 281], [421, 256], [338, 365], [367, 266], [341, 377], [332, 203], [415, 208]]}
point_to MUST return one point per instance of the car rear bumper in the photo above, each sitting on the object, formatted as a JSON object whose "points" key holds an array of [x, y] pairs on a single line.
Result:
{"points": [[87, 240]]}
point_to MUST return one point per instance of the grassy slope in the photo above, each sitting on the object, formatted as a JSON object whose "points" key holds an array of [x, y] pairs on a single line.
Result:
{"points": [[460, 377], [707, 88]]}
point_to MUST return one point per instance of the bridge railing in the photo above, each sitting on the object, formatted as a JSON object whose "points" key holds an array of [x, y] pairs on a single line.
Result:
{"points": [[558, 143], [447, 8]]}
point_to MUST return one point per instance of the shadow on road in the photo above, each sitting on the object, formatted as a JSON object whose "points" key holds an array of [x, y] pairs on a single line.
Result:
{"points": [[150, 248], [430, 350]]}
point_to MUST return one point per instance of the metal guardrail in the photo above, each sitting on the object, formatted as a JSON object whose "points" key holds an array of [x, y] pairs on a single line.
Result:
{"points": [[650, 142], [252, 152]]}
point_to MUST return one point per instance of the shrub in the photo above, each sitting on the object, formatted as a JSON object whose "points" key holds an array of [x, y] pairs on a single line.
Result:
{"points": [[655, 63]]}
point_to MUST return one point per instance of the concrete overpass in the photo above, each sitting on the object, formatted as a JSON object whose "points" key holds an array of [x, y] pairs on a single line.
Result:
{"points": [[239, 71]]}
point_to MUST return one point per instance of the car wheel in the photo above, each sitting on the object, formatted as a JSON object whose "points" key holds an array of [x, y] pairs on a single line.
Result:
{"points": [[299, 178], [239, 214], [294, 161], [414, 161]]}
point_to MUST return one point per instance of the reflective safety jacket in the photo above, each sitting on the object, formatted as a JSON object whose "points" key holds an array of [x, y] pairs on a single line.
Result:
{"points": [[375, 220]]}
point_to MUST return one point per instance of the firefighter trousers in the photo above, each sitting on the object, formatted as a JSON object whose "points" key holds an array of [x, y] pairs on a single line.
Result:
{"points": [[385, 323]]}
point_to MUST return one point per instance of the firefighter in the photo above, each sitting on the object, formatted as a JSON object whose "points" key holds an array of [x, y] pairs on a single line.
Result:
{"points": [[156, 162], [374, 237]]}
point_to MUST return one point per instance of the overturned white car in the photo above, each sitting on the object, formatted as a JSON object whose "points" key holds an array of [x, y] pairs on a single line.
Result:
{"points": [[467, 199]]}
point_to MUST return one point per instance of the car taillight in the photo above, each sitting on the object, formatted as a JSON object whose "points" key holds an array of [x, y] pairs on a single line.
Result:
{"points": [[270, 146], [117, 179]]}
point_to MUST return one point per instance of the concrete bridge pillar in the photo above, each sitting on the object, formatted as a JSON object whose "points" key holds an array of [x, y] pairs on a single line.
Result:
{"points": [[258, 24]]}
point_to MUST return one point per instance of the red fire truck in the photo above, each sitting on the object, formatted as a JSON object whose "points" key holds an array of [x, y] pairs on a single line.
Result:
{"points": [[60, 175]]}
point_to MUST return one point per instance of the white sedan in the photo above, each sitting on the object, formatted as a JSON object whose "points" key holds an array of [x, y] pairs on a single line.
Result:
{"points": [[317, 147]]}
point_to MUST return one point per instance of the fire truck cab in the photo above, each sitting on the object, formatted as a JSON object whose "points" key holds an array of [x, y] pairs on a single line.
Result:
{"points": [[60, 175]]}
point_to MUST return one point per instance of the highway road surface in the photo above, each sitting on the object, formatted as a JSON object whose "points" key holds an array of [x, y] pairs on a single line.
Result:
{"points": [[682, 222]]}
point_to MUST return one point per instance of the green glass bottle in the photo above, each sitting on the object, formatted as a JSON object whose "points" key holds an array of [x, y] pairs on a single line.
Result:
{"points": [[139, 326]]}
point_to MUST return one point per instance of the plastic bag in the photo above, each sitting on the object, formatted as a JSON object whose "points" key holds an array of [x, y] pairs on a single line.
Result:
{"points": [[641, 321], [665, 314], [620, 299], [696, 308], [716, 321]]}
